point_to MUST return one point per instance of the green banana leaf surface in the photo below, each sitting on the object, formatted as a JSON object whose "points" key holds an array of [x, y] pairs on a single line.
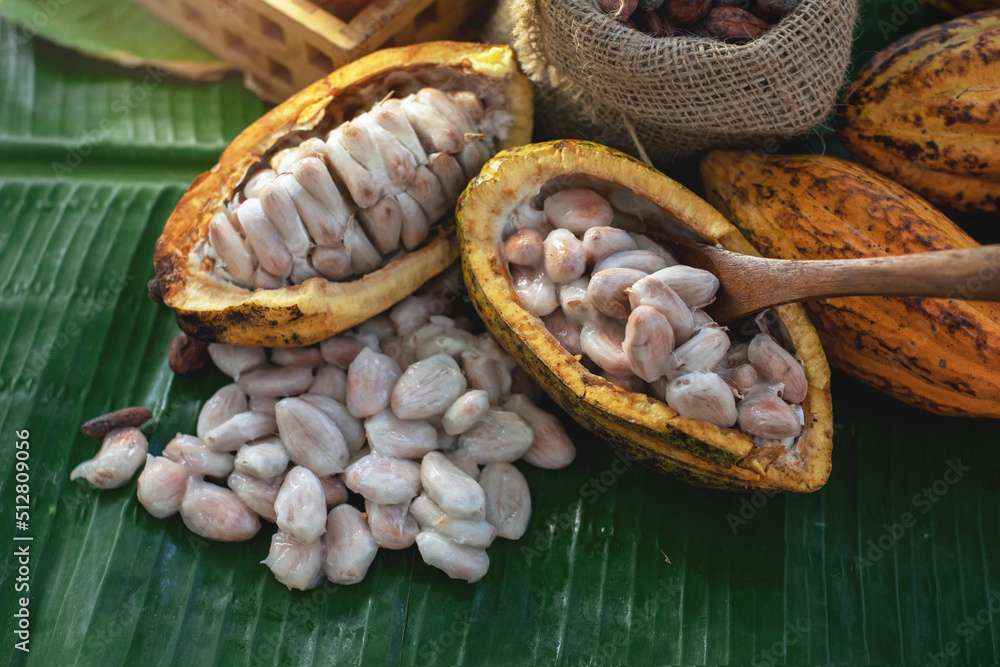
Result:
{"points": [[896, 560], [115, 30]]}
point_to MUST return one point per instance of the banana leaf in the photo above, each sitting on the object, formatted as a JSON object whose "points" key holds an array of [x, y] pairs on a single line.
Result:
{"points": [[894, 561], [115, 30]]}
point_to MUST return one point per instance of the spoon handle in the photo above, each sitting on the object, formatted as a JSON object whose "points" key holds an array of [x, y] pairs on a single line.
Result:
{"points": [[964, 273]]}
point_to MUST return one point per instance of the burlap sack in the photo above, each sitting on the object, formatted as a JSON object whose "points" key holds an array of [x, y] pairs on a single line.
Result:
{"points": [[597, 79]]}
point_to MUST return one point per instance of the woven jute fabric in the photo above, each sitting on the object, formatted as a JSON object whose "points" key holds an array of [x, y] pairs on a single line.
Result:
{"points": [[597, 79]]}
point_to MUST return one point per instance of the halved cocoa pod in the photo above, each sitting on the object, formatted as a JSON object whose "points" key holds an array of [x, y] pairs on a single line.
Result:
{"points": [[508, 195], [335, 205]]}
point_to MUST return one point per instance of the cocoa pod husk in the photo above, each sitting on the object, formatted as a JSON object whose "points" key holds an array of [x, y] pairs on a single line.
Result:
{"points": [[924, 112]]}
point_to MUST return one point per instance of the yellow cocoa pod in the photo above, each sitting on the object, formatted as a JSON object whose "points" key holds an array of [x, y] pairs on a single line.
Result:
{"points": [[937, 354], [505, 197], [960, 7], [925, 112], [337, 203]]}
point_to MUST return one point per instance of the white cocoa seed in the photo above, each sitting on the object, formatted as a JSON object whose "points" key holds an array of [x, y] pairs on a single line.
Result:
{"points": [[334, 491], [696, 287], [525, 247], [427, 388], [602, 342], [265, 460], [234, 360], [371, 378], [565, 330], [500, 435], [467, 409], [702, 352], [640, 260], [702, 395], [657, 294], [607, 291], [197, 457], [762, 413], [296, 356], [294, 563], [391, 525], [239, 430], [776, 364], [161, 486], [455, 560], [215, 513], [551, 447], [578, 210], [258, 494], [350, 427], [599, 242], [649, 342], [276, 381], [330, 381], [476, 533], [534, 289], [387, 481], [301, 505], [565, 259], [122, 453], [350, 546], [223, 405], [310, 437], [390, 436], [575, 303], [508, 502], [452, 489]]}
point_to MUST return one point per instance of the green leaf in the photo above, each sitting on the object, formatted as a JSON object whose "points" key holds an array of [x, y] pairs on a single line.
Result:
{"points": [[894, 561], [114, 30]]}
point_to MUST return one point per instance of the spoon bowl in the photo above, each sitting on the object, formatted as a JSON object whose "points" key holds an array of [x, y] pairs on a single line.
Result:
{"points": [[749, 284]]}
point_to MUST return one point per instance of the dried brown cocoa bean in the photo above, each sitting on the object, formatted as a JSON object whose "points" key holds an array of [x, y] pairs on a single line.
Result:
{"points": [[187, 354], [774, 10], [651, 24], [98, 427], [735, 25], [685, 12]]}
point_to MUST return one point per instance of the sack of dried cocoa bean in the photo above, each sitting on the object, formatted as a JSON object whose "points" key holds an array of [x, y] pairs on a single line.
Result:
{"points": [[601, 79]]}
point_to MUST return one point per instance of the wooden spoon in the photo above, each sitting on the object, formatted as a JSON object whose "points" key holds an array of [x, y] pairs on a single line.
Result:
{"points": [[750, 284]]}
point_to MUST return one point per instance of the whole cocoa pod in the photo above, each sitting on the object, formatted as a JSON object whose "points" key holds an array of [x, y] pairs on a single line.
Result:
{"points": [[734, 24], [684, 12], [924, 111], [960, 7]]}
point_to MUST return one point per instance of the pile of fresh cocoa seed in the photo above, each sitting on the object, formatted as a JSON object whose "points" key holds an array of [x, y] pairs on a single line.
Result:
{"points": [[735, 21]]}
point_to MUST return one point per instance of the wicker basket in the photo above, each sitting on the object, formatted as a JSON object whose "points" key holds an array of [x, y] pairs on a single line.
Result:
{"points": [[284, 45]]}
